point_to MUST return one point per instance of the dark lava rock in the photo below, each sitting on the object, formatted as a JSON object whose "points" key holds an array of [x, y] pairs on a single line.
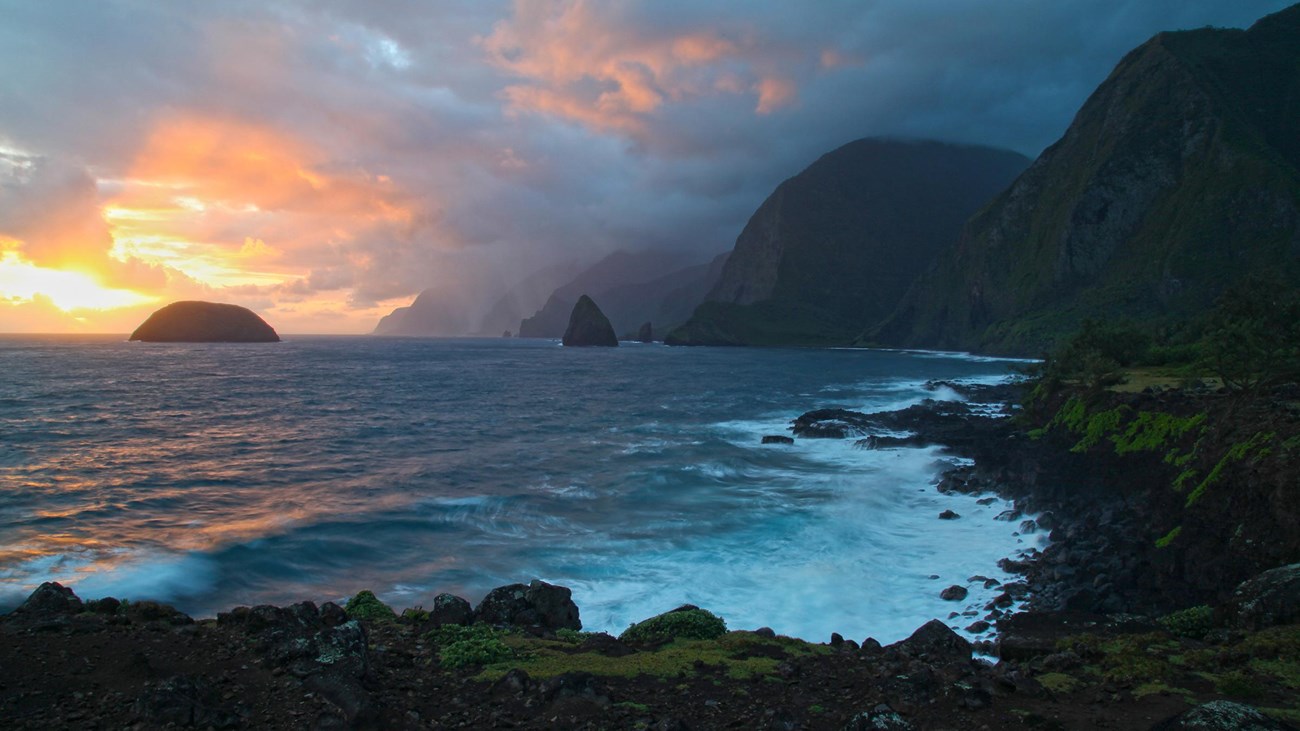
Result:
{"points": [[1222, 716], [646, 334], [949, 515], [185, 701], [605, 644], [50, 599], [205, 322], [934, 640], [978, 627], [589, 326], [777, 439], [832, 424], [538, 604], [953, 593], [1270, 599], [880, 718], [450, 609]]}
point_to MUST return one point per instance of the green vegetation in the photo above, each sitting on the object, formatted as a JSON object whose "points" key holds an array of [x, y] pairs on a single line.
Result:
{"points": [[365, 605], [460, 646], [1262, 667], [572, 636], [738, 655], [1192, 622], [416, 615], [690, 624], [1253, 339]]}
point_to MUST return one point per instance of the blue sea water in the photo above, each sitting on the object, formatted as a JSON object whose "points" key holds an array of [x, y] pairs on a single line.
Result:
{"points": [[213, 475]]}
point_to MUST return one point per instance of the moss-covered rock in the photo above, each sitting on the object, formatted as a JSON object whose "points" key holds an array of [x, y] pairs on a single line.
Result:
{"points": [[686, 622], [366, 606]]}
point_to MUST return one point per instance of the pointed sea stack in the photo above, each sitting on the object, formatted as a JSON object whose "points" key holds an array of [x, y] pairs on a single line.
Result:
{"points": [[205, 322], [646, 334], [589, 326]]}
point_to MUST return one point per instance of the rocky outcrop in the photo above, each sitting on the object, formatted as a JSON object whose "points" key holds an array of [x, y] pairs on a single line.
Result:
{"points": [[632, 287], [645, 333], [1270, 599], [50, 599], [588, 326], [834, 248], [205, 322], [534, 605], [1179, 176]]}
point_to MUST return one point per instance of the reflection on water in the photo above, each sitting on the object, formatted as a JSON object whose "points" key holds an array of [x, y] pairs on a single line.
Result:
{"points": [[210, 475]]}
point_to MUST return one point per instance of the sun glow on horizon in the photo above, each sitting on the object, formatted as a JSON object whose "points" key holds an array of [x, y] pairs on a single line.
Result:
{"points": [[22, 281]]}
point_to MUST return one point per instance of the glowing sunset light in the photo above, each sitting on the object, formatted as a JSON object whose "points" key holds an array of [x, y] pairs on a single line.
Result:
{"points": [[68, 290]]}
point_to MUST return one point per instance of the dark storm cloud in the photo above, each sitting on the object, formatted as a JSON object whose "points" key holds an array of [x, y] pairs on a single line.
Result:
{"points": [[398, 145]]}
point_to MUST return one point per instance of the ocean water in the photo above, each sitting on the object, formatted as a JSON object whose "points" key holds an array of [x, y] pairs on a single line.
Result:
{"points": [[214, 475]]}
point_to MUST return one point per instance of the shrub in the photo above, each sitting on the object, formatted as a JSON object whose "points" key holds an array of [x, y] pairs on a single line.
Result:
{"points": [[1193, 622], [459, 646], [1253, 340], [683, 624], [365, 605]]}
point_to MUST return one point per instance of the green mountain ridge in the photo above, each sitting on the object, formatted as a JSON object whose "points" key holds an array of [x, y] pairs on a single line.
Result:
{"points": [[1179, 176], [834, 248]]}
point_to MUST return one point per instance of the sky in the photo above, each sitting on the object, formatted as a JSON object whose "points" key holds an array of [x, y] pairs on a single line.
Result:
{"points": [[323, 162]]}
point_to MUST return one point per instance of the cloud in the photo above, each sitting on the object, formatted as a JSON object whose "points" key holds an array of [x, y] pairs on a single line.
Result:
{"points": [[327, 160]]}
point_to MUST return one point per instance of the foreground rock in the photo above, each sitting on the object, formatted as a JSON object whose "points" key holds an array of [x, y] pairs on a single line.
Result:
{"points": [[589, 326], [536, 605], [105, 663], [205, 322], [1268, 600]]}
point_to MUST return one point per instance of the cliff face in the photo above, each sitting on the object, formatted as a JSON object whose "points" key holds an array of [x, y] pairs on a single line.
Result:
{"points": [[1177, 177], [433, 313], [834, 248], [205, 322]]}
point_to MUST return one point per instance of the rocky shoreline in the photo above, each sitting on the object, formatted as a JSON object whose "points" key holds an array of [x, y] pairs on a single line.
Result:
{"points": [[1098, 646]]}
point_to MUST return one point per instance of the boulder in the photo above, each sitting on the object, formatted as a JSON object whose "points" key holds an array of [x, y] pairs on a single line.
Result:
{"points": [[205, 322], [949, 515], [1222, 716], [50, 599], [1270, 599], [450, 609], [646, 334], [936, 641], [954, 593], [777, 439], [538, 604], [589, 326]]}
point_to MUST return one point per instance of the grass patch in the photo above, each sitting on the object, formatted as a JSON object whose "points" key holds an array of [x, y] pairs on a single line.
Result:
{"points": [[739, 655], [1059, 682]]}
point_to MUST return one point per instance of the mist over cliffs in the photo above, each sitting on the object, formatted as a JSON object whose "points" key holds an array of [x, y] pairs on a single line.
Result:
{"points": [[834, 248], [631, 288], [1177, 177]]}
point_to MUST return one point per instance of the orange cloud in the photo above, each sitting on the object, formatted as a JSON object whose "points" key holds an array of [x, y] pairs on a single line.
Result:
{"points": [[774, 93], [581, 62], [235, 162]]}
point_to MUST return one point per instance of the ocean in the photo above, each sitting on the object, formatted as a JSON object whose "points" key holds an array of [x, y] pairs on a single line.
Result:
{"points": [[214, 475]]}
